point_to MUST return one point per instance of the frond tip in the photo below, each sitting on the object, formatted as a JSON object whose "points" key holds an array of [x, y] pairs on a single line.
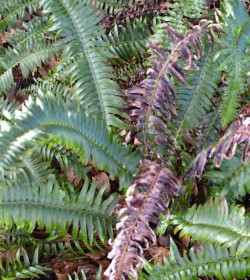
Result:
{"points": [[148, 195]]}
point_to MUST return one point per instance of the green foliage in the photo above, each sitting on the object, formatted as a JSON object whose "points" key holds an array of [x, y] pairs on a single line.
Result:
{"points": [[216, 222], [235, 55], [52, 116], [92, 78], [20, 266], [128, 42], [206, 260], [52, 207], [11, 11], [196, 100], [184, 79], [28, 50], [232, 176]]}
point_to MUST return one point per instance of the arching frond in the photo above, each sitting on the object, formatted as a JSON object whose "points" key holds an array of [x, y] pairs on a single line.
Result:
{"points": [[216, 222], [66, 124], [92, 78], [208, 260], [52, 207]]}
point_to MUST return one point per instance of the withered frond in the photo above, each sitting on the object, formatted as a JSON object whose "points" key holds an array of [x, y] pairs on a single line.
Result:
{"points": [[238, 134], [148, 195], [152, 102]]}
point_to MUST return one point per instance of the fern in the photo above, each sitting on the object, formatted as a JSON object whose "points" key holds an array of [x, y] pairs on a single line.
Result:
{"points": [[236, 135], [178, 17], [196, 101], [29, 50], [152, 103], [128, 42], [235, 56], [12, 10], [207, 260], [232, 176], [216, 222], [22, 269], [53, 208], [76, 23], [147, 196], [51, 116]]}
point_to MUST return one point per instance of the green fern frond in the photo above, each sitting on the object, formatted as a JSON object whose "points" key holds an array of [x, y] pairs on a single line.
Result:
{"points": [[216, 222], [208, 260], [195, 101], [128, 42], [235, 56], [92, 78], [29, 50], [20, 267], [233, 176], [67, 125], [55, 209], [12, 10]]}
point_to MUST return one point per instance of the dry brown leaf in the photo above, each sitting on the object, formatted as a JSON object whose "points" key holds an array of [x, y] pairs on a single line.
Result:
{"points": [[101, 180], [157, 253]]}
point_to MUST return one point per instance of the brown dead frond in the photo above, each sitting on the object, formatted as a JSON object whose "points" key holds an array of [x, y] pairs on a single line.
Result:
{"points": [[148, 195], [152, 101], [238, 134]]}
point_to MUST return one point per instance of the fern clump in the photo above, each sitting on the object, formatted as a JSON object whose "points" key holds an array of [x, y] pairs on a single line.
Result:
{"points": [[124, 139]]}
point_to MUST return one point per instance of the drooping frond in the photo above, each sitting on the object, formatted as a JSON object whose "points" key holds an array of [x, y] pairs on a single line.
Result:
{"points": [[76, 23], [52, 207], [28, 50], [235, 57], [232, 175], [50, 119], [147, 196], [12, 10], [208, 260], [238, 134], [21, 267], [216, 222], [153, 101]]}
